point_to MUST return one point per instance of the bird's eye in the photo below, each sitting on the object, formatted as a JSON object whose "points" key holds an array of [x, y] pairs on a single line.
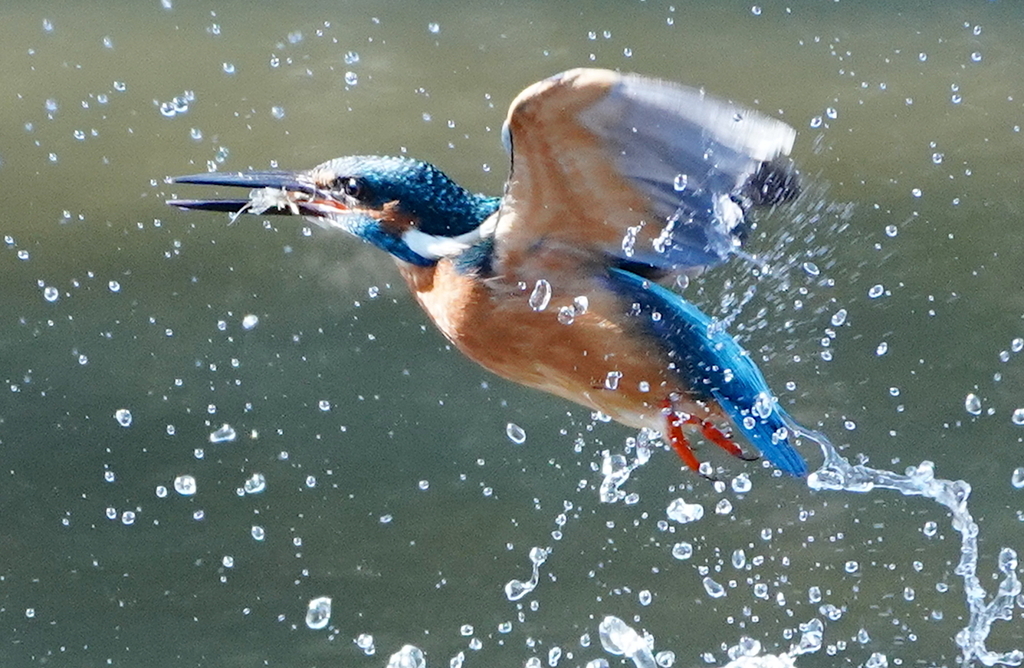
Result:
{"points": [[353, 187]]}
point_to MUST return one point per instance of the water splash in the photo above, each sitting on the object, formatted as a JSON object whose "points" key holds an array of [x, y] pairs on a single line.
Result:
{"points": [[516, 589], [620, 639], [318, 612], [837, 474], [409, 656], [616, 469]]}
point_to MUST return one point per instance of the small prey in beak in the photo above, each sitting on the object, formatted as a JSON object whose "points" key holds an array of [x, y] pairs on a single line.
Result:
{"points": [[271, 193]]}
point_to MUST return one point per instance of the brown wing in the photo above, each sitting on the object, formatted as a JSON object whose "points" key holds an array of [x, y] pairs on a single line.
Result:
{"points": [[621, 169]]}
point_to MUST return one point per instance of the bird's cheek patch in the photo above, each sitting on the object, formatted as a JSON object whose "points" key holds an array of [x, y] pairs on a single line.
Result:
{"points": [[393, 219]]}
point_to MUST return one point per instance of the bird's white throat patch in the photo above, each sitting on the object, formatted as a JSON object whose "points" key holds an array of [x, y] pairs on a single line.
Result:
{"points": [[435, 247]]}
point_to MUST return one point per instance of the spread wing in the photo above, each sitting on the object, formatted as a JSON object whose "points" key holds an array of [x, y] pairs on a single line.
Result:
{"points": [[635, 172]]}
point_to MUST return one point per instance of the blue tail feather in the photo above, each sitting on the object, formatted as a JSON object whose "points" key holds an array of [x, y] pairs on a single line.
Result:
{"points": [[714, 367], [772, 435]]}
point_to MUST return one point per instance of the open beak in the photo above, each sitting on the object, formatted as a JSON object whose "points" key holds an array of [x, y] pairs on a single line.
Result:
{"points": [[270, 193]]}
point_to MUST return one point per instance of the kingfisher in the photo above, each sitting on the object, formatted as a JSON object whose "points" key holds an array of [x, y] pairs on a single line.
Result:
{"points": [[621, 189]]}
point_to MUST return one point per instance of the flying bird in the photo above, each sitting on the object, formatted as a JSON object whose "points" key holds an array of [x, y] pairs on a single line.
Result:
{"points": [[620, 187]]}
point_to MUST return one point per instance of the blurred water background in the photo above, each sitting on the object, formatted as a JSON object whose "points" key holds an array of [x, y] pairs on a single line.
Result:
{"points": [[205, 426]]}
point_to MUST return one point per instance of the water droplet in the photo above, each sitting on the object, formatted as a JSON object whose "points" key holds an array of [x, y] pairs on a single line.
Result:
{"points": [[682, 551], [922, 56], [713, 589], [566, 315], [351, 78], [225, 434], [114, 286], [318, 613], [434, 28], [619, 639], [250, 321], [976, 56], [51, 294], [541, 295], [839, 317], [1017, 479], [741, 484], [811, 269], [229, 68], [516, 589], [611, 380], [410, 656], [257, 532], [756, 10], [255, 483], [351, 58], [515, 433], [277, 112], [185, 485], [763, 406], [123, 417], [1018, 417], [882, 348], [680, 182], [876, 291], [682, 512], [972, 404]]}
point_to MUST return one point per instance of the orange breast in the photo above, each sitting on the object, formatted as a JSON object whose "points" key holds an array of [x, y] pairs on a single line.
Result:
{"points": [[599, 359]]}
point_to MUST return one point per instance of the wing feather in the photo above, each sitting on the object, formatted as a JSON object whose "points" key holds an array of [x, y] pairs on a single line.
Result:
{"points": [[626, 169]]}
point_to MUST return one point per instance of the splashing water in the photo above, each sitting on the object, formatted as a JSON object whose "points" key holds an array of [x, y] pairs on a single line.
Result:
{"points": [[619, 639], [516, 589], [616, 469], [409, 656], [837, 474]]}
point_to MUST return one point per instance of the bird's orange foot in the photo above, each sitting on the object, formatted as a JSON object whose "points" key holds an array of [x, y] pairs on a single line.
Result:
{"points": [[721, 439], [677, 438]]}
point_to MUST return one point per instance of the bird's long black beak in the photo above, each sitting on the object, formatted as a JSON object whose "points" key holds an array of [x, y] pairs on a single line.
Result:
{"points": [[270, 192]]}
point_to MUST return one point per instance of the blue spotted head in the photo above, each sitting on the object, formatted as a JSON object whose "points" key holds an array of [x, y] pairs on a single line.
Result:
{"points": [[406, 207]]}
